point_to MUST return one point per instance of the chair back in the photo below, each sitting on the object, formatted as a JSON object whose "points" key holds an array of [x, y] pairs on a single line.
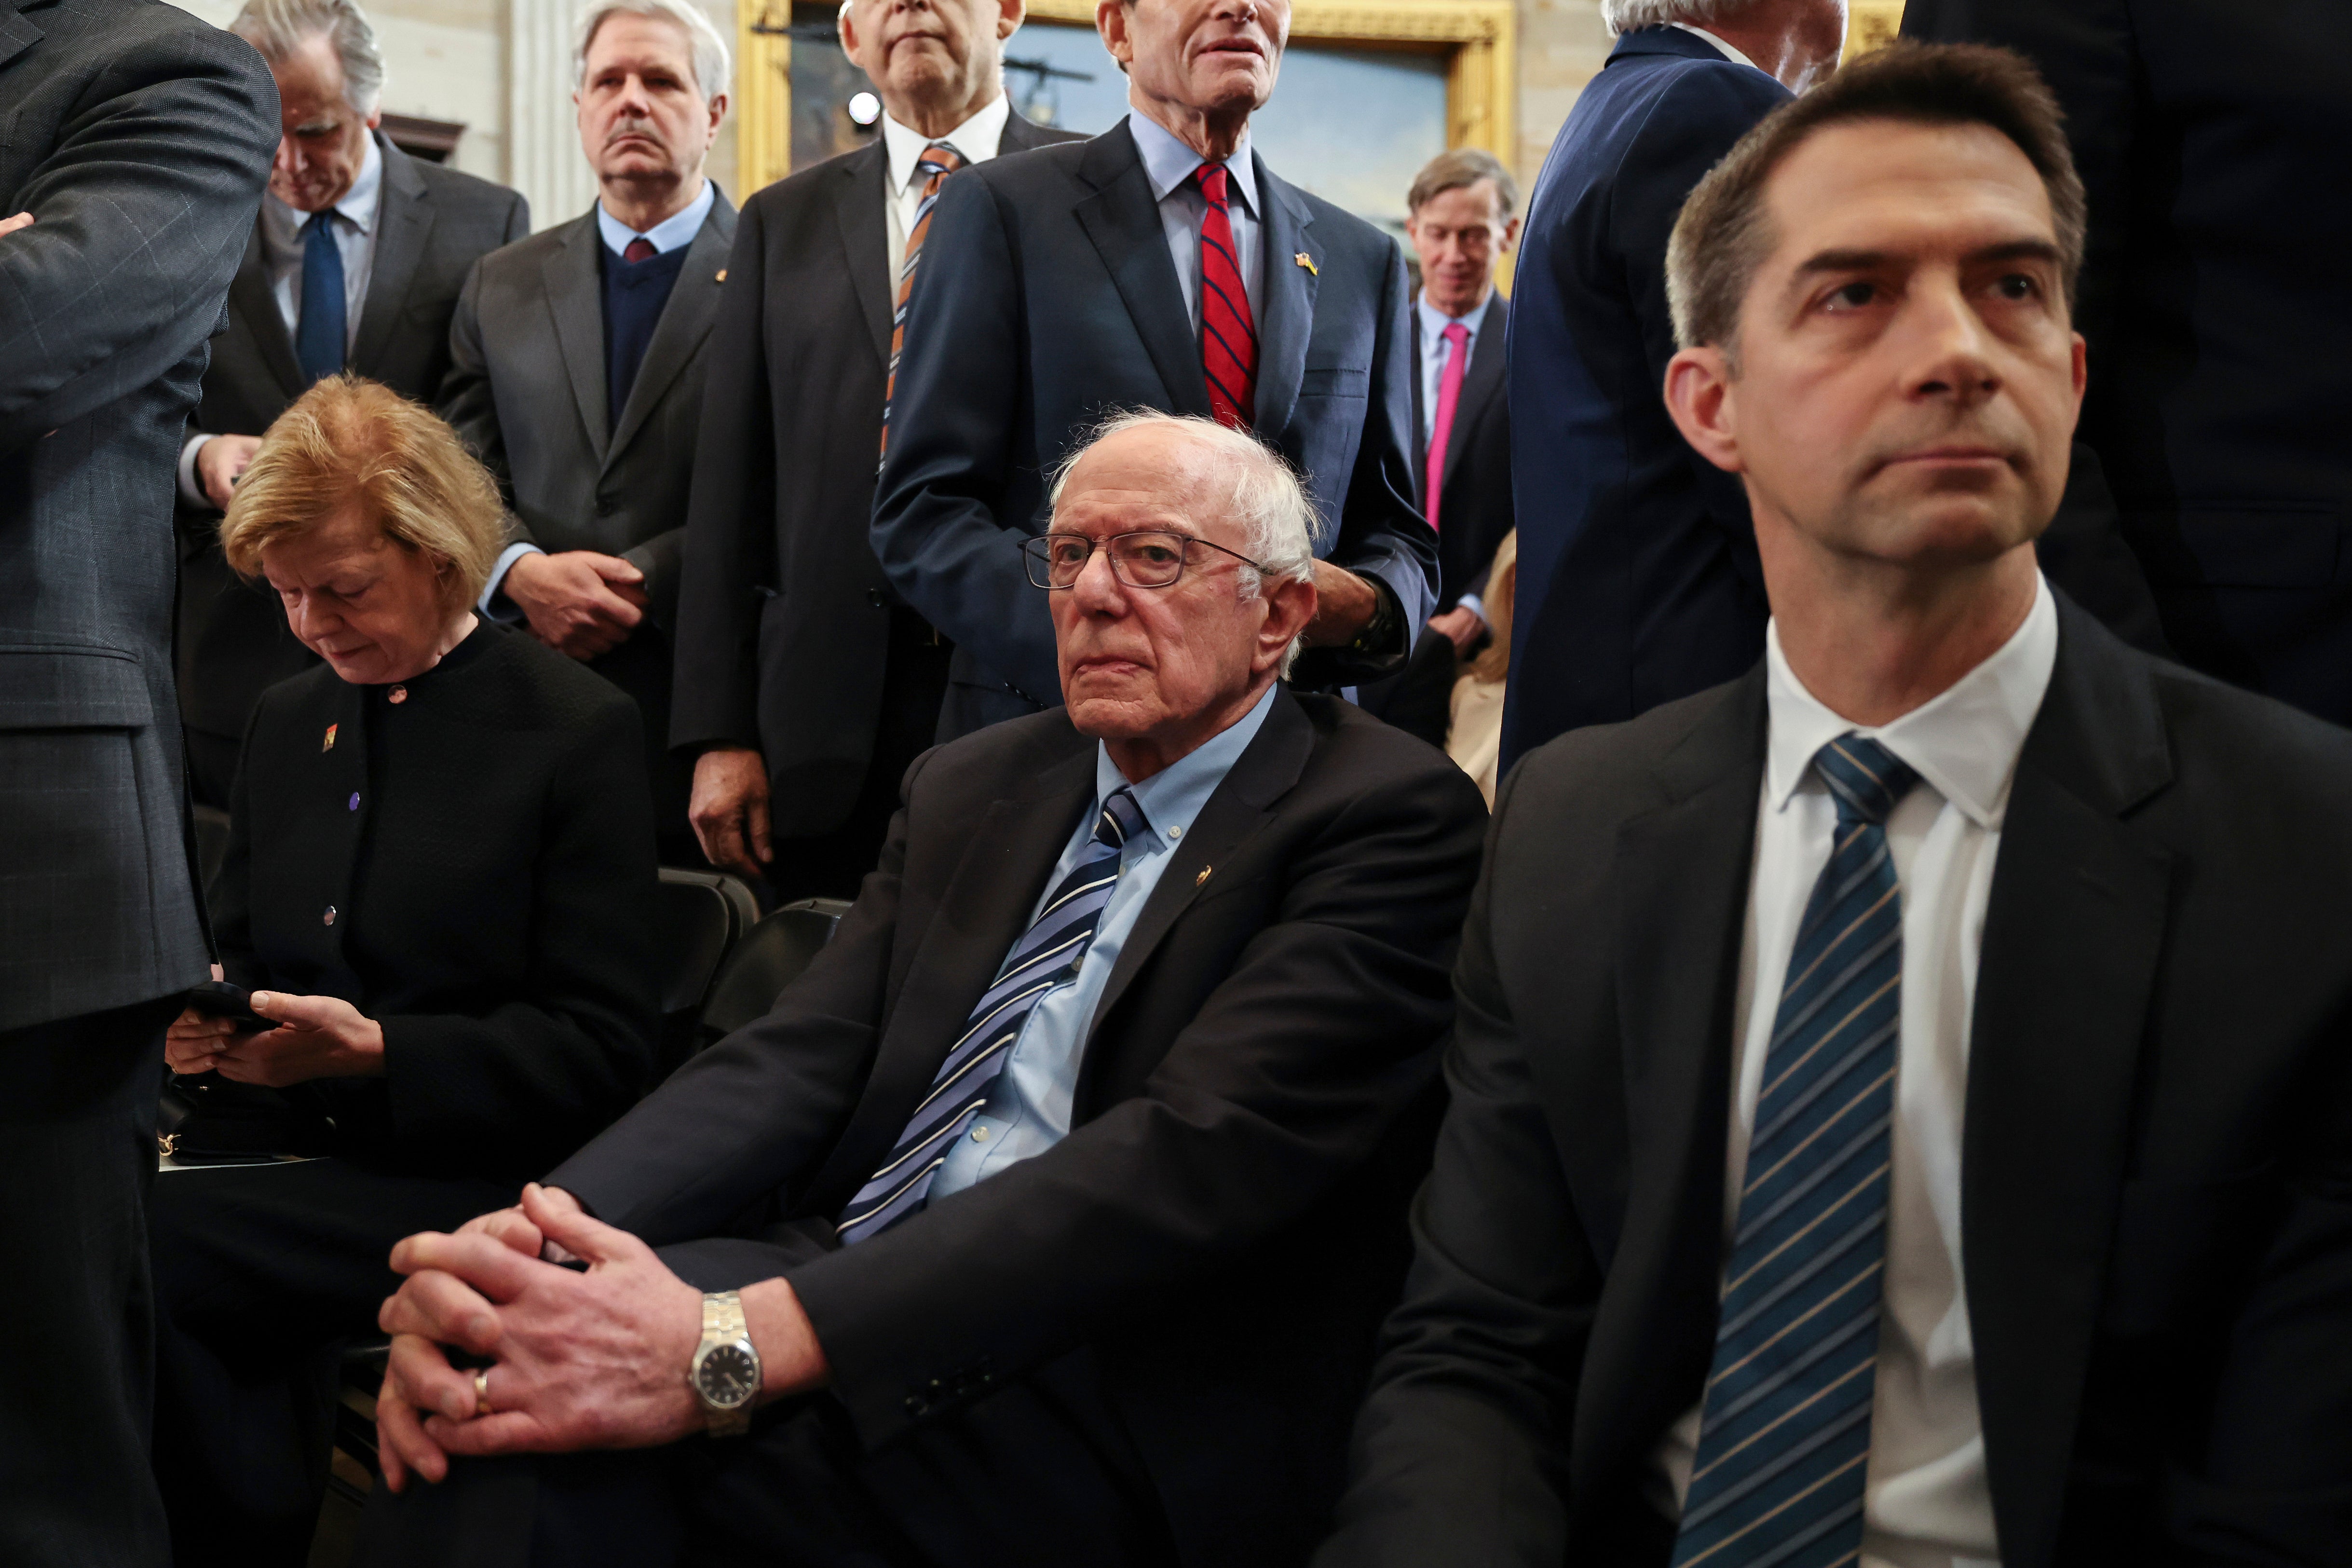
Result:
{"points": [[770, 958], [698, 917]]}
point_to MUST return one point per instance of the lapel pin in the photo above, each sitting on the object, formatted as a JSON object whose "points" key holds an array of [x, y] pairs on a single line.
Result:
{"points": [[1308, 262], [329, 743], [722, 276], [1202, 878]]}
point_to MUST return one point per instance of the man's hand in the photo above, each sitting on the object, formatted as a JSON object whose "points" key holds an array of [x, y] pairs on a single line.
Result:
{"points": [[317, 1037], [729, 809], [195, 1040], [13, 222], [1344, 606], [1461, 626], [577, 601], [220, 462]]}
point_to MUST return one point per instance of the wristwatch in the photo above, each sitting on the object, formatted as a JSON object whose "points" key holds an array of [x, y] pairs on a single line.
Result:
{"points": [[726, 1371]]}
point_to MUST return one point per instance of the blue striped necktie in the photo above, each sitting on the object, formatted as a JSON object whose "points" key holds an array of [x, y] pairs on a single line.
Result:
{"points": [[1046, 955], [1784, 1442]]}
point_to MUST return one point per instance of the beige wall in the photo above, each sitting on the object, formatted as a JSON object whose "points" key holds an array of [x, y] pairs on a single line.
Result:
{"points": [[1563, 45]]}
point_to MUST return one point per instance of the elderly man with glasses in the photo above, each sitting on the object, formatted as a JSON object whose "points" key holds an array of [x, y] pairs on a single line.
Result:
{"points": [[1049, 1216]]}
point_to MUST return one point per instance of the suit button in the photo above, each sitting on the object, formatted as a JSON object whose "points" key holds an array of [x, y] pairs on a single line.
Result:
{"points": [[354, 803], [329, 918], [915, 1406], [874, 597]]}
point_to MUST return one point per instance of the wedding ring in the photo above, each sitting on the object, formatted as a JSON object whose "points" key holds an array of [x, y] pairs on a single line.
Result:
{"points": [[482, 1391]]}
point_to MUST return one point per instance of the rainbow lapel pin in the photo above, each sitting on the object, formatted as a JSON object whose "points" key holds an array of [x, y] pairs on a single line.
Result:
{"points": [[329, 743], [1308, 262]]}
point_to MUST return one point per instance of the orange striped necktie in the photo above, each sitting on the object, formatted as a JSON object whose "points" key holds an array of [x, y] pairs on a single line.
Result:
{"points": [[939, 161], [1228, 338]]}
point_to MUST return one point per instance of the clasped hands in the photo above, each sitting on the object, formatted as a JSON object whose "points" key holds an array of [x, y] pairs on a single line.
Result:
{"points": [[582, 1360], [317, 1037], [578, 602]]}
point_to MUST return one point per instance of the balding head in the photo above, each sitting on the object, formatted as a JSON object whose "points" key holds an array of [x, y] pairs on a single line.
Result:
{"points": [[1155, 670]]}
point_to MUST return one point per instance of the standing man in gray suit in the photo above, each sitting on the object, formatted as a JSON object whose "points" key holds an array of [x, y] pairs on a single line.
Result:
{"points": [[355, 265], [576, 368], [137, 141]]}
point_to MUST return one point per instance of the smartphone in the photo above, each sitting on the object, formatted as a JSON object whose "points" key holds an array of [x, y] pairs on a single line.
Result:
{"points": [[219, 999]]}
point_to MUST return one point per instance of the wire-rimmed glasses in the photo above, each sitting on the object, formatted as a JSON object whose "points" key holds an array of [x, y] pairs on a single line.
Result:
{"points": [[1146, 558]]}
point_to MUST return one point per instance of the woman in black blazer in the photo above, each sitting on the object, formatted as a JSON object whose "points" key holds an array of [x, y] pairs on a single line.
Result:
{"points": [[438, 884]]}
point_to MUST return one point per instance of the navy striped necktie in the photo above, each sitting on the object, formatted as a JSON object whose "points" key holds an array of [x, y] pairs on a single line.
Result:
{"points": [[1046, 955], [1784, 1442]]}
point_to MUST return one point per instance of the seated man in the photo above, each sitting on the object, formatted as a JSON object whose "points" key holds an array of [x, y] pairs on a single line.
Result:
{"points": [[1049, 1218], [1901, 1111]]}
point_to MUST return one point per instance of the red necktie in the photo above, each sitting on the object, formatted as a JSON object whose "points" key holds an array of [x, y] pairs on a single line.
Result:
{"points": [[640, 249], [939, 161], [1441, 424], [1228, 340]]}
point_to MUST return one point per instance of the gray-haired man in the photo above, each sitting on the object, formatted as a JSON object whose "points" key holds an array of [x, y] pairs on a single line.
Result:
{"points": [[577, 365], [354, 264]]}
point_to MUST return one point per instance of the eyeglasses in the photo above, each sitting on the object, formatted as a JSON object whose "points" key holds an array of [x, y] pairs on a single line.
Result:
{"points": [[1146, 559]]}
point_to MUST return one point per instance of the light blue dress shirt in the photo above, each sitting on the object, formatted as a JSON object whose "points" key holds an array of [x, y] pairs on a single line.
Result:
{"points": [[1028, 1111], [678, 228], [1432, 324], [1168, 164]]}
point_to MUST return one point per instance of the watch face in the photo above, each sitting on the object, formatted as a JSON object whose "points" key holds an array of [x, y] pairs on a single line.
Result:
{"points": [[728, 1376]]}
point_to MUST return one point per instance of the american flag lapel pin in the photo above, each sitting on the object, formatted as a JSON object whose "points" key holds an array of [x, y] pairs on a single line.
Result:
{"points": [[1308, 262], [329, 743], [1202, 878]]}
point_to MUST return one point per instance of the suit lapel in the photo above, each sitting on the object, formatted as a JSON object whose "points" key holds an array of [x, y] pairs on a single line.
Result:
{"points": [[1682, 872], [1236, 810], [404, 219], [1287, 294], [858, 207], [1481, 382], [684, 323], [250, 296], [1123, 221], [17, 35], [575, 301], [1420, 442], [2072, 936]]}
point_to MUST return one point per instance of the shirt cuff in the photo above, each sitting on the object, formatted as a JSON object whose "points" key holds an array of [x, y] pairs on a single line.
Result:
{"points": [[507, 611], [190, 491], [1477, 606]]}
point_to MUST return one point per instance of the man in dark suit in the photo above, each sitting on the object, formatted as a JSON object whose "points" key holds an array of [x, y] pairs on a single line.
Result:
{"points": [[1160, 265], [1900, 1105], [577, 363], [355, 263], [2215, 303], [1464, 218], [138, 141], [1048, 1214], [806, 706]]}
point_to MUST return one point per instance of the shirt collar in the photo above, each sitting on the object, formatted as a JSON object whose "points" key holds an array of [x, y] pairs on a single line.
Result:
{"points": [[1170, 798], [1731, 52], [1167, 163], [678, 228], [977, 139], [1965, 741], [1433, 322], [359, 204]]}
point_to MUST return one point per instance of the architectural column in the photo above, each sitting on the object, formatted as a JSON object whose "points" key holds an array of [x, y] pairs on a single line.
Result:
{"points": [[544, 160]]}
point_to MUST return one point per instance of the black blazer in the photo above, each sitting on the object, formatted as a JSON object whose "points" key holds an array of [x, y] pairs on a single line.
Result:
{"points": [[473, 868], [431, 225], [784, 625], [1053, 302], [138, 137], [1223, 1223], [2156, 1169], [2214, 299], [1475, 492]]}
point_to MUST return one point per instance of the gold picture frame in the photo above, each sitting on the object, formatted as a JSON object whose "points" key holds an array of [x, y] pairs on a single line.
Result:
{"points": [[1479, 39]]}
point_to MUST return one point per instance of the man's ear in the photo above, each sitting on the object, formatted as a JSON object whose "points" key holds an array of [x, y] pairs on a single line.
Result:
{"points": [[1110, 21], [1010, 15], [1698, 397], [1510, 234], [1289, 606]]}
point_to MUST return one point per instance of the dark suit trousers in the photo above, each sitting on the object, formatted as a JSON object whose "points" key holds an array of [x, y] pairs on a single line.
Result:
{"points": [[263, 1273], [1039, 1475], [77, 1378]]}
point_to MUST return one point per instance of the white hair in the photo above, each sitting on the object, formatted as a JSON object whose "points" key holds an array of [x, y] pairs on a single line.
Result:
{"points": [[1278, 522], [1632, 16], [277, 28], [714, 63]]}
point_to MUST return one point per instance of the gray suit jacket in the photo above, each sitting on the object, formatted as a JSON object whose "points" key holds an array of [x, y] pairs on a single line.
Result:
{"points": [[433, 225], [140, 218]]}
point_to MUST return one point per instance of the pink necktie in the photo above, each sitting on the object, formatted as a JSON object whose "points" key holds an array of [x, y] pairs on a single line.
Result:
{"points": [[1441, 425]]}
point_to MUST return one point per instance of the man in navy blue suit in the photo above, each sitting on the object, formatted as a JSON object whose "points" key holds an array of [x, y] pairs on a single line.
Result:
{"points": [[1160, 265], [1638, 580]]}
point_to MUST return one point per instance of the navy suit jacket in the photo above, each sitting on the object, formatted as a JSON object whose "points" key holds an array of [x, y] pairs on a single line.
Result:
{"points": [[1048, 299], [1638, 576]]}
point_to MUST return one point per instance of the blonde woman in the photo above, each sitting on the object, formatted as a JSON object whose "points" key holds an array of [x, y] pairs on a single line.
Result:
{"points": [[439, 865]]}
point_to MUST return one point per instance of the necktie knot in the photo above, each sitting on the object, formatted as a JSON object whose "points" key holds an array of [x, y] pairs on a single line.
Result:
{"points": [[939, 161], [1457, 335], [1119, 820], [639, 249], [1867, 780], [1210, 178]]}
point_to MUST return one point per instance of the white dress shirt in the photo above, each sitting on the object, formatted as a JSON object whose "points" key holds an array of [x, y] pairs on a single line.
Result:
{"points": [[1927, 1504], [354, 227], [1169, 163], [1731, 52], [976, 139]]}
